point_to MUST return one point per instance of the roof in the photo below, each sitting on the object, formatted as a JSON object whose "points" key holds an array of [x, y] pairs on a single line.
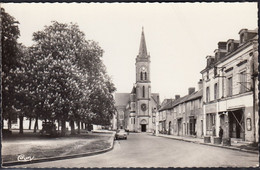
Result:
{"points": [[142, 48], [183, 99], [155, 97], [195, 95], [122, 99], [166, 104]]}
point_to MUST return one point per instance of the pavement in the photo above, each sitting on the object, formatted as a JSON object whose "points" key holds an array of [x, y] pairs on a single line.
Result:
{"points": [[234, 144], [145, 150], [24, 142]]}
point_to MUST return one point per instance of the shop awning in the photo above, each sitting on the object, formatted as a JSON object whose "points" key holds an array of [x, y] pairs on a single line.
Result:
{"points": [[236, 108]]}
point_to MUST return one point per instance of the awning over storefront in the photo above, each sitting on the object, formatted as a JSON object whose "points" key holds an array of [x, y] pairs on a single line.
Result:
{"points": [[235, 108]]}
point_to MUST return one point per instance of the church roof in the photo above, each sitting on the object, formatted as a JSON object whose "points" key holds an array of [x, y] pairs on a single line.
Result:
{"points": [[142, 48], [155, 97], [122, 99]]}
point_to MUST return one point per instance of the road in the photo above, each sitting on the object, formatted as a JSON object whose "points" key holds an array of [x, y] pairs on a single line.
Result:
{"points": [[145, 150]]}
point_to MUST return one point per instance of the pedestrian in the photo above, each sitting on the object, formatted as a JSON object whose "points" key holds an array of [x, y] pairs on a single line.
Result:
{"points": [[220, 134]]}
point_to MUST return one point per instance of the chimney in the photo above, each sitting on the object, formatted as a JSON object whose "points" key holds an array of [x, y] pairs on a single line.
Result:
{"points": [[177, 97], [210, 60], [200, 84], [191, 90]]}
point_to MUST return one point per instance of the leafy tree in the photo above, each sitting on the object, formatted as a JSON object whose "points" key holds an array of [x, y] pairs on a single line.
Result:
{"points": [[10, 61]]}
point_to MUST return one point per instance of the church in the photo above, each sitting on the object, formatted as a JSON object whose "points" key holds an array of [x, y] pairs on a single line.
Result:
{"points": [[136, 111]]}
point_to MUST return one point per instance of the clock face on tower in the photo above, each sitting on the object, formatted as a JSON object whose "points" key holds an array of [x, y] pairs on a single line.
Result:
{"points": [[143, 68], [143, 107]]}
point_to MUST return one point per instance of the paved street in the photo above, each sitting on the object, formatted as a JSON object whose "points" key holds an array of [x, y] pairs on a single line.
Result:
{"points": [[144, 150]]}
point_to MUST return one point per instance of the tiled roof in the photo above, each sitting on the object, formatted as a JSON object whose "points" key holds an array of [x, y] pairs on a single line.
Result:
{"points": [[195, 95], [183, 99], [122, 99]]}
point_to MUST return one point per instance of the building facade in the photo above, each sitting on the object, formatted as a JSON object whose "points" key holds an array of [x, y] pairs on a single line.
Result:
{"points": [[137, 110], [229, 89], [182, 116]]}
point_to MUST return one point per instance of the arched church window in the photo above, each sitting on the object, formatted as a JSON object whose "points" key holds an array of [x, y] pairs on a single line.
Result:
{"points": [[145, 76], [141, 75], [143, 91]]}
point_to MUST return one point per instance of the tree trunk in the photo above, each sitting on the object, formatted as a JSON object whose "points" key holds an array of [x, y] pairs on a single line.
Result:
{"points": [[63, 127], [35, 125], [9, 123], [58, 124], [30, 122], [72, 127], [78, 127], [21, 124]]}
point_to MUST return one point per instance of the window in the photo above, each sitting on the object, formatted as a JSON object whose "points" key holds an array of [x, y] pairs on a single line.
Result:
{"points": [[242, 38], [216, 91], [145, 76], [143, 91], [134, 120], [207, 75], [229, 86], [243, 83], [141, 76], [207, 94], [210, 121]]}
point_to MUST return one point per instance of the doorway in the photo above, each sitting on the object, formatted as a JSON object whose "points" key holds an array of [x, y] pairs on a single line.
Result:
{"points": [[143, 128], [236, 124]]}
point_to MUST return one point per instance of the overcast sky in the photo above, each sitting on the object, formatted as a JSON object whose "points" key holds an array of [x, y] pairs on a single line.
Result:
{"points": [[178, 35]]}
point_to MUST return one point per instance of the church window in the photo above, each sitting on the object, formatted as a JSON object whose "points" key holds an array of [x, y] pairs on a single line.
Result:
{"points": [[143, 91], [145, 76], [141, 75]]}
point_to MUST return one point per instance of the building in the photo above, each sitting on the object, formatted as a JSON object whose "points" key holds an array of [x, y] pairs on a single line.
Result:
{"points": [[182, 116], [136, 111], [230, 89]]}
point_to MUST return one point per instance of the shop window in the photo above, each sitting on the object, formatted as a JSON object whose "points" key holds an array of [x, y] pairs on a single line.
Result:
{"points": [[210, 121]]}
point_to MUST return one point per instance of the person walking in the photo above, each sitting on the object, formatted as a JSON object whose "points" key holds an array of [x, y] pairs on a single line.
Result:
{"points": [[220, 134]]}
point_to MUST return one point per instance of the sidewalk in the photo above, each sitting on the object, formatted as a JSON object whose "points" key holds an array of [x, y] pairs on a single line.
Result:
{"points": [[31, 147], [234, 146]]}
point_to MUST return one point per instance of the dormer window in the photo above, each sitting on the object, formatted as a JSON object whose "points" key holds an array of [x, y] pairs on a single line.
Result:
{"points": [[242, 38], [229, 47]]}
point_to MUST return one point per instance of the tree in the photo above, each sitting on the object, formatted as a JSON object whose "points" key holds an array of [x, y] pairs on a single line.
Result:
{"points": [[10, 61]]}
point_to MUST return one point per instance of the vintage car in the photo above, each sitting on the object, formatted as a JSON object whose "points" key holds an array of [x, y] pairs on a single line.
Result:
{"points": [[121, 134]]}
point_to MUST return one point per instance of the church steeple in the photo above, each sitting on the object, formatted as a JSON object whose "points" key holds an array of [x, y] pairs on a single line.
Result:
{"points": [[142, 48]]}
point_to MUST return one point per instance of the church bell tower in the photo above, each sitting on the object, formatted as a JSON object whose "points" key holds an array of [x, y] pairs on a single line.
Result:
{"points": [[143, 87]]}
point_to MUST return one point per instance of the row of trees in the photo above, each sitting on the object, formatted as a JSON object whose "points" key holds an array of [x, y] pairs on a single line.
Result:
{"points": [[60, 77]]}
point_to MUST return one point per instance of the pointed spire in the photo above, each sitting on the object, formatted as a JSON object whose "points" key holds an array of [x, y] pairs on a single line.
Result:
{"points": [[142, 49]]}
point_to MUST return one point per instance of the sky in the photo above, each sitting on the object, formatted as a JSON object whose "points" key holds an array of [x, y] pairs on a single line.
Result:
{"points": [[178, 36]]}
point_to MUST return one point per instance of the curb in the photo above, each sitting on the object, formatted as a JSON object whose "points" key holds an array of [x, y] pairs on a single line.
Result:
{"points": [[60, 157], [219, 146]]}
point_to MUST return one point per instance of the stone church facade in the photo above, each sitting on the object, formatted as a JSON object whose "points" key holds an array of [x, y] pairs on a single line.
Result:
{"points": [[136, 111]]}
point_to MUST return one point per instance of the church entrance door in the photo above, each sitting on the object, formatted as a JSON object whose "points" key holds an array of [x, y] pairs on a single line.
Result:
{"points": [[143, 128]]}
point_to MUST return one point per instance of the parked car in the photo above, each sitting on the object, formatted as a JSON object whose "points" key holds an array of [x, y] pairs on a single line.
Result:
{"points": [[121, 134]]}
